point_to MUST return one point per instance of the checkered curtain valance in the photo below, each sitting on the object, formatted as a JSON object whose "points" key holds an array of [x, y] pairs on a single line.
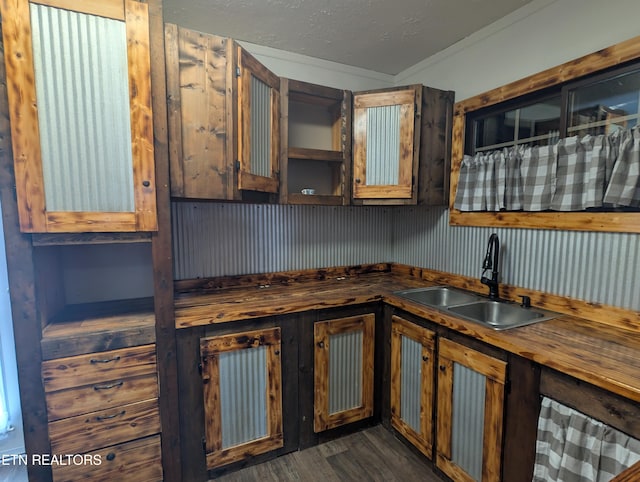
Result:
{"points": [[574, 174]]}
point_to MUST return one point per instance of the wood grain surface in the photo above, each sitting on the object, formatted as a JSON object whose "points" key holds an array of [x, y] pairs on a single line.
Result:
{"points": [[593, 343]]}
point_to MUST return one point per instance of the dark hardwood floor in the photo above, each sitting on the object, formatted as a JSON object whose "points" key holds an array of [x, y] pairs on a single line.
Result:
{"points": [[374, 454]]}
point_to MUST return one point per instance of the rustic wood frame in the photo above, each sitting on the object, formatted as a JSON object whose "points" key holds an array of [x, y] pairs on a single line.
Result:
{"points": [[323, 330], [577, 221], [494, 370], [400, 327], [410, 99], [249, 67], [210, 349], [25, 134]]}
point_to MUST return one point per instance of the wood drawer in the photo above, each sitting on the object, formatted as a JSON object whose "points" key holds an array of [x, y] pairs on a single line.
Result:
{"points": [[107, 427], [75, 371], [137, 461], [101, 396]]}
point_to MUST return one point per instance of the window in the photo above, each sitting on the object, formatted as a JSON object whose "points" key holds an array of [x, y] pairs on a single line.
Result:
{"points": [[599, 104]]}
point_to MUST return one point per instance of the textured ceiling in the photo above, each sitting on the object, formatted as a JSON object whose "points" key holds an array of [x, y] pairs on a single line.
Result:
{"points": [[385, 36]]}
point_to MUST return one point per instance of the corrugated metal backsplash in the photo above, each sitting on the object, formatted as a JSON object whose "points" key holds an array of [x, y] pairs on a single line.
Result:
{"points": [[214, 239]]}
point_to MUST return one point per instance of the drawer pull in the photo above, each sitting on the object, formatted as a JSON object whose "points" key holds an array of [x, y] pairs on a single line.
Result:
{"points": [[100, 418], [108, 387], [104, 360]]}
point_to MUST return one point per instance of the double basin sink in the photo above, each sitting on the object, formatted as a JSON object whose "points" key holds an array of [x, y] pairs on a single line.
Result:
{"points": [[499, 315]]}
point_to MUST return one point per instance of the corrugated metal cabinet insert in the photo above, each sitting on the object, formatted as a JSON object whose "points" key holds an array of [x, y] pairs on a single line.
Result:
{"points": [[470, 413], [412, 382], [343, 371], [242, 389], [79, 91]]}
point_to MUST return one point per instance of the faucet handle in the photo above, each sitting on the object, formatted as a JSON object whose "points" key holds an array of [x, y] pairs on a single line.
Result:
{"points": [[526, 301]]}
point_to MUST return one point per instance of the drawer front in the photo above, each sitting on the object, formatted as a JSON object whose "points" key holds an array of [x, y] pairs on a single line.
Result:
{"points": [[76, 371], [137, 461], [102, 396], [107, 427]]}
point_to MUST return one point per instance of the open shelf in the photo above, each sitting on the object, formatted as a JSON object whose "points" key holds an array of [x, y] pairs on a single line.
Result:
{"points": [[316, 143]]}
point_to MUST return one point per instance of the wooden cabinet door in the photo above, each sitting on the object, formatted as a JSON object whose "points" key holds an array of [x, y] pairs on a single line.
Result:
{"points": [[79, 91], [470, 413], [412, 382], [242, 388], [343, 371], [386, 140], [258, 125]]}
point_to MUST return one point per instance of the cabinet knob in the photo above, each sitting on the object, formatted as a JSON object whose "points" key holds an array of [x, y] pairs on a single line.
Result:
{"points": [[358, 181], [111, 456], [146, 183], [321, 344], [425, 358], [277, 352], [443, 368]]}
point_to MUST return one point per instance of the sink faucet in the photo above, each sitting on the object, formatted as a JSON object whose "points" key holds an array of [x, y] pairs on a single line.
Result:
{"points": [[493, 251]]}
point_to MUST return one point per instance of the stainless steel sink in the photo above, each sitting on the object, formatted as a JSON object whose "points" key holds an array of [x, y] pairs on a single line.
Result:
{"points": [[501, 315], [438, 296], [498, 315]]}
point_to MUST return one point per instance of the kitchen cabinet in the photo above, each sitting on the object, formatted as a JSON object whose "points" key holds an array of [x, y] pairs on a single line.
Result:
{"points": [[105, 403], [386, 136], [242, 391], [401, 145], [412, 382], [79, 92], [470, 409], [224, 119], [343, 370], [316, 144]]}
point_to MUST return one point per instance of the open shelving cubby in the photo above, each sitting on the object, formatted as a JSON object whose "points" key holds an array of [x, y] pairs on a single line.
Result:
{"points": [[316, 144]]}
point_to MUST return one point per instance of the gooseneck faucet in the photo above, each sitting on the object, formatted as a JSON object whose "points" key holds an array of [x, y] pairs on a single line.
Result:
{"points": [[491, 263]]}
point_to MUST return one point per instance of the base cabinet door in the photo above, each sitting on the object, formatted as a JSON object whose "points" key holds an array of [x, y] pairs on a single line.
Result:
{"points": [[412, 382], [242, 388], [343, 371], [470, 413]]}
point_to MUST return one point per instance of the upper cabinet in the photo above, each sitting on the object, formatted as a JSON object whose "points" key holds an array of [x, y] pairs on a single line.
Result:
{"points": [[386, 136], [224, 115], [315, 136], [401, 146], [79, 92]]}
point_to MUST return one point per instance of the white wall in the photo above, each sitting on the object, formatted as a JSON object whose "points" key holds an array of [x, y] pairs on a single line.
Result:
{"points": [[317, 71], [538, 36]]}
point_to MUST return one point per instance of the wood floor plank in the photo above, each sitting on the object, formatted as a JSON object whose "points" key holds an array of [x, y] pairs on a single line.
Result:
{"points": [[374, 454]]}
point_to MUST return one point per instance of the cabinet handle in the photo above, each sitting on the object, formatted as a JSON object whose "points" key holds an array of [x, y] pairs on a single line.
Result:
{"points": [[277, 352], [358, 181], [109, 417], [108, 387], [443, 368], [111, 456], [146, 183], [425, 358], [104, 360], [321, 344]]}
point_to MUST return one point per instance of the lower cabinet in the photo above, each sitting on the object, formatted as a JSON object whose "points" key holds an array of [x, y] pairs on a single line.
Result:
{"points": [[103, 409], [343, 371], [471, 390], [242, 389], [412, 382]]}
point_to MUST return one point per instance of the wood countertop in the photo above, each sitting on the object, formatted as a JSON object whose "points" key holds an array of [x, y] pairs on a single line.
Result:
{"points": [[602, 354]]}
